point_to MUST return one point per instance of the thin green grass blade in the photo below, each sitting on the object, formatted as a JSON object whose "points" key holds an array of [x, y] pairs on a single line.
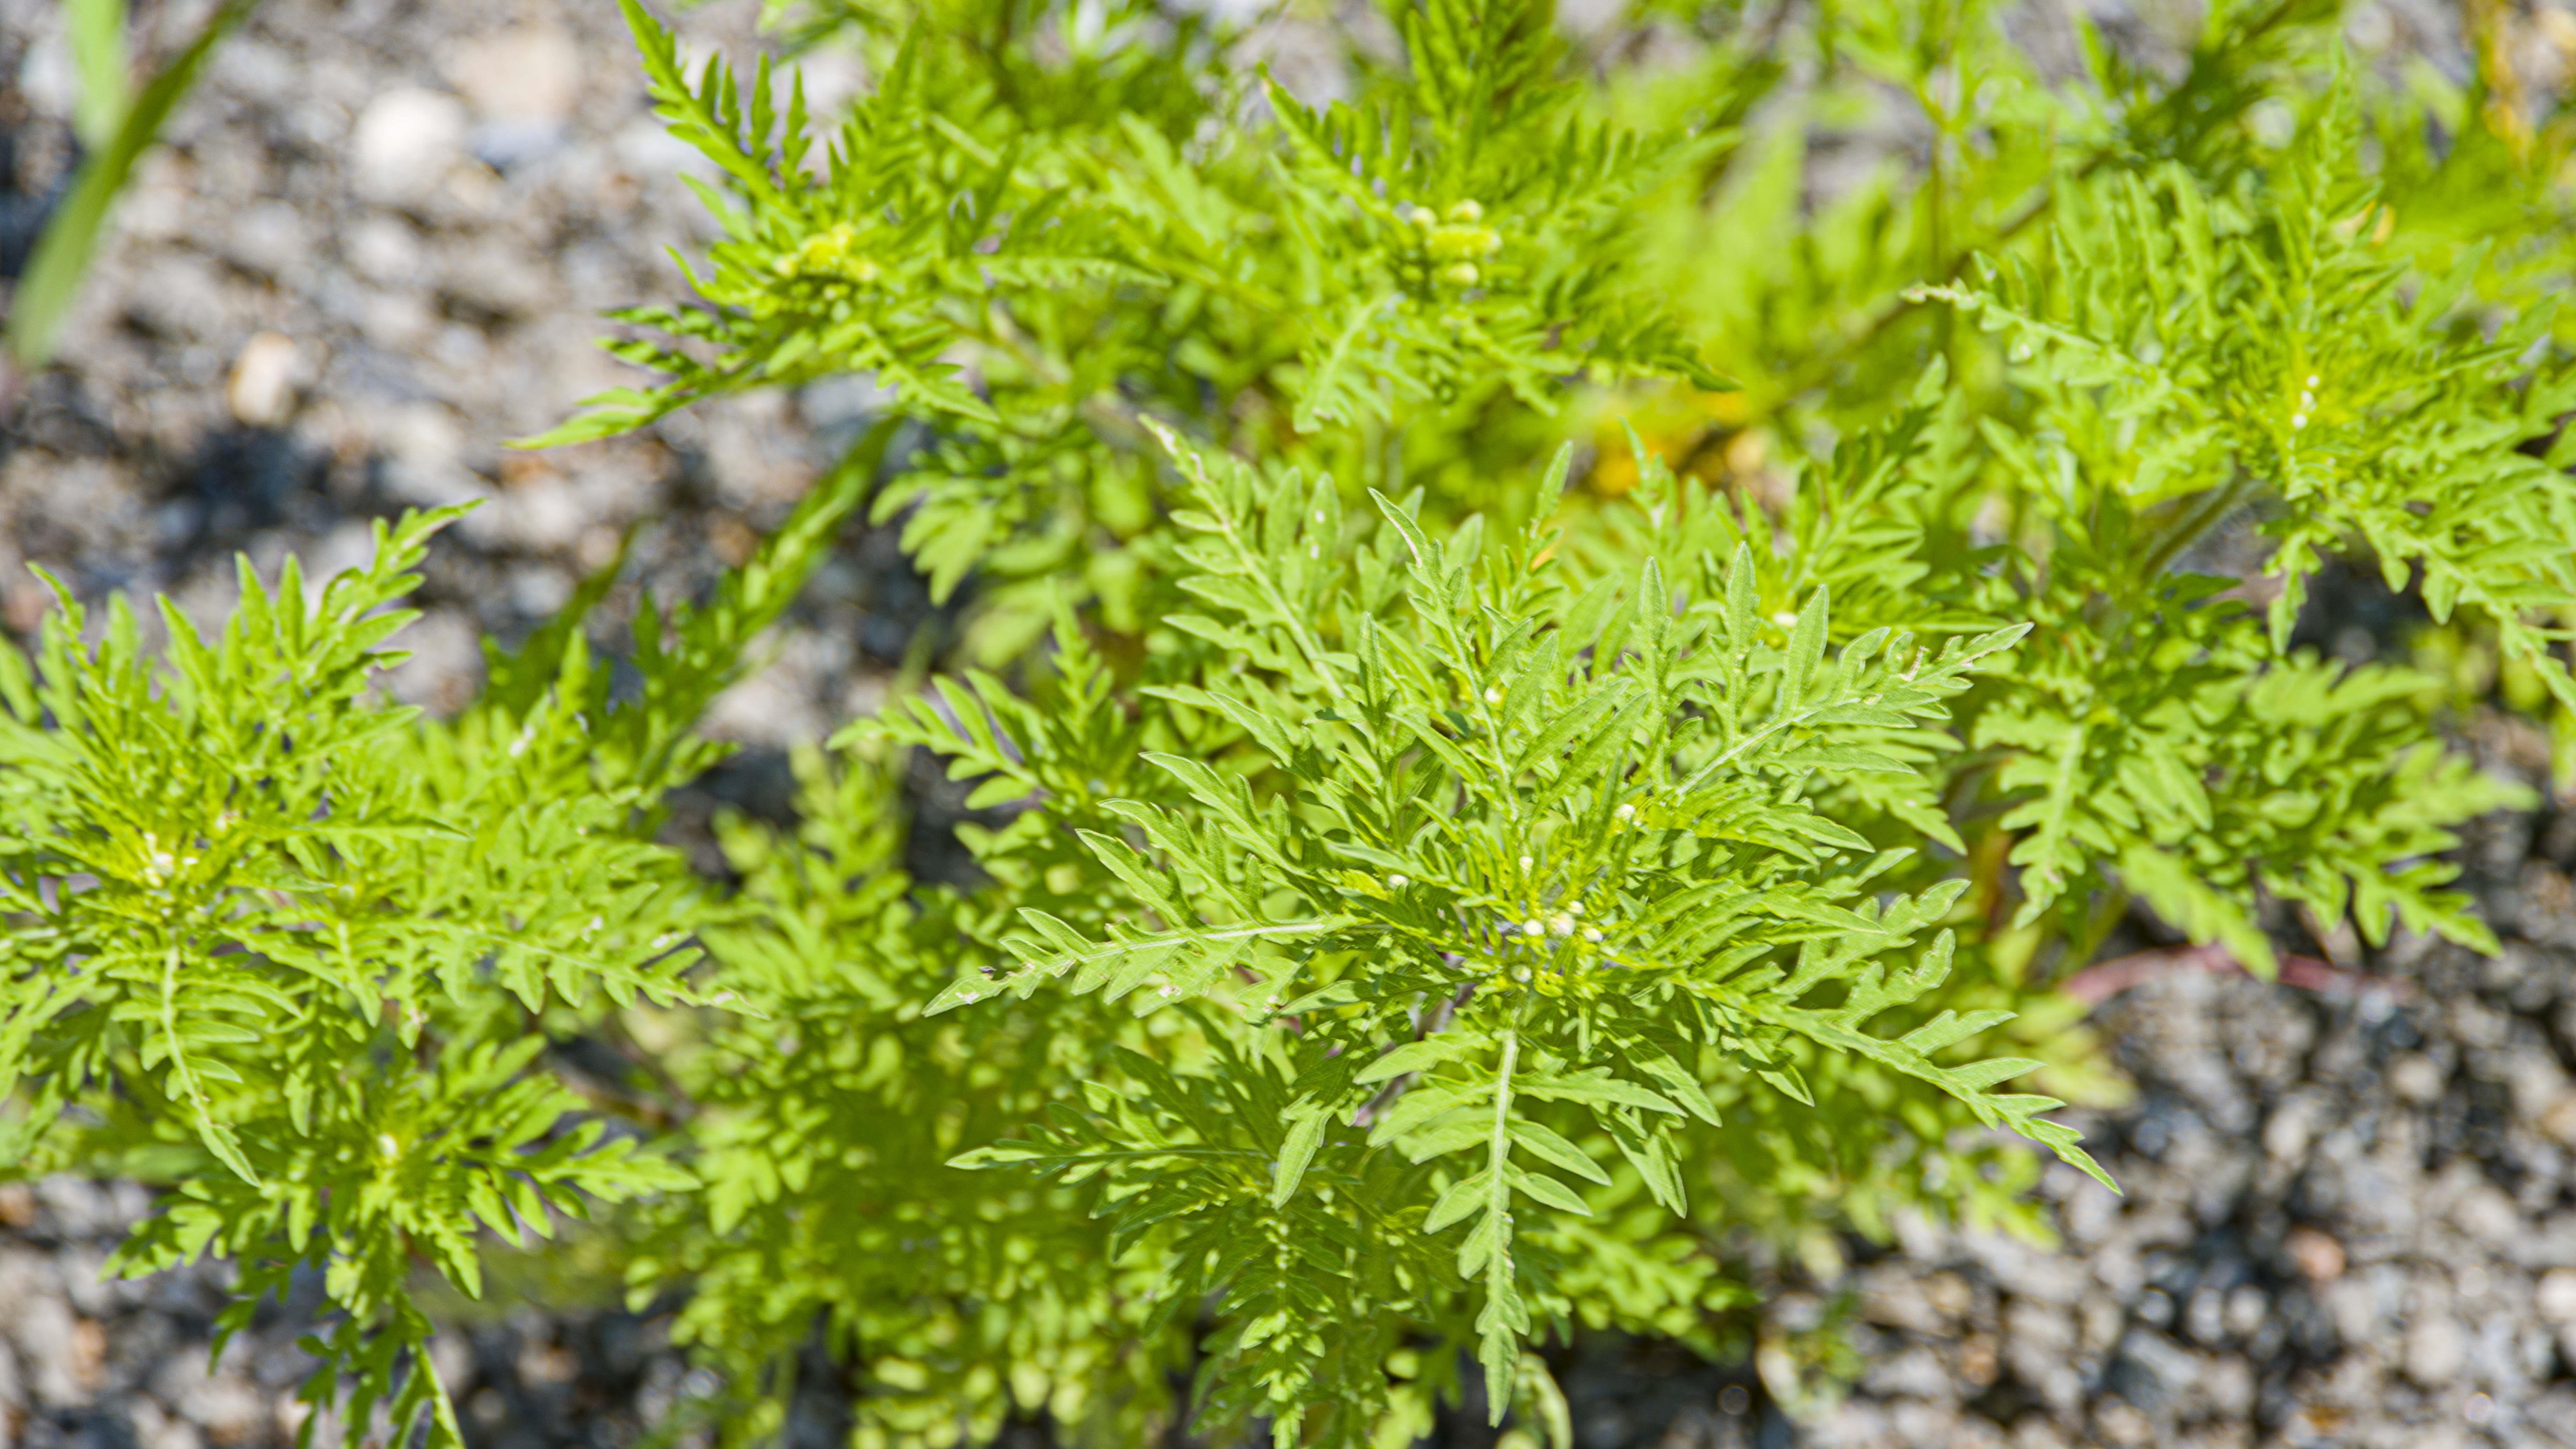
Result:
{"points": [[71, 239]]}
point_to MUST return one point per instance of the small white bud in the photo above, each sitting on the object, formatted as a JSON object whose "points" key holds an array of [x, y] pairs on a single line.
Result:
{"points": [[1493, 696], [1167, 992], [2298, 421], [1592, 933], [386, 1144], [2313, 380], [1627, 812], [1561, 923], [1575, 909]]}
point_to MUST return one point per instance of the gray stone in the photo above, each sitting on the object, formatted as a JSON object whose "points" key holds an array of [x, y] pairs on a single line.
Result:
{"points": [[1917, 1373], [268, 238], [2434, 1349], [404, 144], [53, 1348], [2554, 1296], [2171, 1371]]}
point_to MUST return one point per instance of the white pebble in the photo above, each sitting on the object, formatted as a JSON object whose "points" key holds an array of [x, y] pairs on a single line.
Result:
{"points": [[405, 142]]}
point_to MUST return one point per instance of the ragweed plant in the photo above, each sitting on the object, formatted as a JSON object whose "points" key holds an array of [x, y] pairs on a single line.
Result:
{"points": [[295, 951], [1439, 890], [1495, 870], [299, 954]]}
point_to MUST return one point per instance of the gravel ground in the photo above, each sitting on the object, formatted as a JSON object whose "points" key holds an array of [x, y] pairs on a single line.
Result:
{"points": [[375, 251]]}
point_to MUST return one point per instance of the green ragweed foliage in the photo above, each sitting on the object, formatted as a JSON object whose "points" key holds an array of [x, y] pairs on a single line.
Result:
{"points": [[826, 1108], [1475, 223], [1808, 306], [1413, 918], [292, 951], [876, 260], [297, 954], [1493, 880], [2155, 737], [1351, 836], [1030, 249], [2193, 357], [963, 1300]]}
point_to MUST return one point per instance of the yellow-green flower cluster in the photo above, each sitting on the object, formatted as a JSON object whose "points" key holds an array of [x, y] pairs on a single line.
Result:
{"points": [[1452, 243], [831, 255]]}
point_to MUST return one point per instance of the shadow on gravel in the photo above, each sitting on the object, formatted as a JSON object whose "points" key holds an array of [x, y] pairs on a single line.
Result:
{"points": [[240, 481]]}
